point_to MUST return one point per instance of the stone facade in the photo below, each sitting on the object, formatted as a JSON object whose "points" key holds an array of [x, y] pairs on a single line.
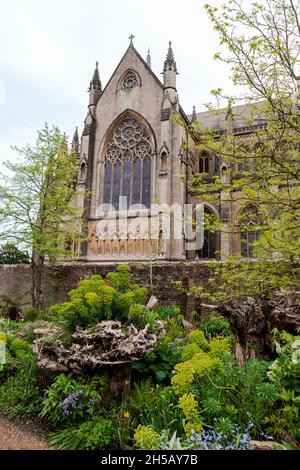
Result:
{"points": [[131, 146]]}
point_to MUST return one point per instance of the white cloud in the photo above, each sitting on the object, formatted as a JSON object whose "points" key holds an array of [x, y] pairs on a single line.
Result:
{"points": [[54, 46]]}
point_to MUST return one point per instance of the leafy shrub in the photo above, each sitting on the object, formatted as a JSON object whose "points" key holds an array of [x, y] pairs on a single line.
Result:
{"points": [[10, 309], [69, 400], [18, 345], [146, 438], [167, 312], [166, 353], [200, 358], [155, 406], [138, 315], [189, 406], [32, 314], [91, 435], [98, 299], [215, 325], [20, 395], [89, 303], [284, 374], [96, 434]]}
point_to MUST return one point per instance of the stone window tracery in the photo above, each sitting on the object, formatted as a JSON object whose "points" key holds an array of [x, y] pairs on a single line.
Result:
{"points": [[128, 162], [249, 222], [130, 81], [204, 163]]}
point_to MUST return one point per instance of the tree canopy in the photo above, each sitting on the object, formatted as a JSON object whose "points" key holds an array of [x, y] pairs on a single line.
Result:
{"points": [[37, 208]]}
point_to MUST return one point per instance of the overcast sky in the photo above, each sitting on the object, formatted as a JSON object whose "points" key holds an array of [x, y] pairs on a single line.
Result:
{"points": [[48, 52]]}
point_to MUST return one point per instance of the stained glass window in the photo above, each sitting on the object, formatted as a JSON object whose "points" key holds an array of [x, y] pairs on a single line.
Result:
{"points": [[136, 191], [210, 242], [129, 151], [107, 183], [126, 181], [204, 163], [249, 232], [116, 185], [146, 182]]}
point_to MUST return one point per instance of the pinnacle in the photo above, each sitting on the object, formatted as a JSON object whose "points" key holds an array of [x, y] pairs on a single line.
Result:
{"points": [[170, 60], [96, 82]]}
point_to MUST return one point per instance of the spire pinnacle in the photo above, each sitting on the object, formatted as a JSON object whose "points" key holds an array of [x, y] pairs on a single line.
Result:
{"points": [[75, 142], [149, 59], [194, 115], [96, 82], [170, 60]]}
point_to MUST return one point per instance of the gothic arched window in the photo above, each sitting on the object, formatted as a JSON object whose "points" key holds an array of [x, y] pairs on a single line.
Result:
{"points": [[204, 163], [243, 157], [209, 250], [249, 233], [127, 167]]}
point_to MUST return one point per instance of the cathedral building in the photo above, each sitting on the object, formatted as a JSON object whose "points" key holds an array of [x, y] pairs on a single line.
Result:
{"points": [[133, 180]]}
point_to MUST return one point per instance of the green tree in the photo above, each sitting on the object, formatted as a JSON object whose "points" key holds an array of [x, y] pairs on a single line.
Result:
{"points": [[261, 44], [10, 254], [36, 209]]}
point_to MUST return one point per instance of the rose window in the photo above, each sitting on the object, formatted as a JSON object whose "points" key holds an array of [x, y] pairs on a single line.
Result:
{"points": [[129, 82]]}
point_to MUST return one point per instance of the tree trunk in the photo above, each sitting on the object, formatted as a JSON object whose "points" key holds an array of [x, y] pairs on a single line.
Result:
{"points": [[37, 266], [252, 321]]}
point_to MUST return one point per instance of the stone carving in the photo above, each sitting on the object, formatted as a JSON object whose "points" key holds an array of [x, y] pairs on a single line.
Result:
{"points": [[129, 81], [130, 140]]}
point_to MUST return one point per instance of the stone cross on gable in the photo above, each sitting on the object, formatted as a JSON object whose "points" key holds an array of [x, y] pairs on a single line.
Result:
{"points": [[131, 37]]}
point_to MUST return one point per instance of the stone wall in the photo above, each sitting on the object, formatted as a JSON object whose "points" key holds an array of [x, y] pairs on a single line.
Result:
{"points": [[59, 280]]}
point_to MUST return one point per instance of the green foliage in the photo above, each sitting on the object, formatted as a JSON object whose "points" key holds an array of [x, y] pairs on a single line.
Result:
{"points": [[189, 406], [200, 358], [236, 393], [89, 302], [138, 315], [37, 201], [121, 279], [10, 254], [155, 406], [10, 308], [70, 400], [146, 438], [215, 325], [32, 314], [20, 395], [95, 434], [19, 345], [284, 373], [167, 312], [261, 45], [98, 299], [166, 353]]}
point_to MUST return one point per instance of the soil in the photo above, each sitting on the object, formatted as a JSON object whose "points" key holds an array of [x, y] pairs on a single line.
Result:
{"points": [[21, 435]]}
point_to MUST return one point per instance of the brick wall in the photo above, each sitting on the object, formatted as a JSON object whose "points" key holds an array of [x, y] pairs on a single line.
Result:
{"points": [[59, 280]]}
